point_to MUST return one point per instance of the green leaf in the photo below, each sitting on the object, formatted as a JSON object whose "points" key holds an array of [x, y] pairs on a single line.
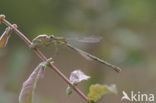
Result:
{"points": [[5, 36], [97, 91], [69, 90]]}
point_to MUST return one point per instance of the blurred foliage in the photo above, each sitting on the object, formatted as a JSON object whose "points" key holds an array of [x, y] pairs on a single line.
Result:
{"points": [[127, 27], [42, 99], [18, 61], [4, 97]]}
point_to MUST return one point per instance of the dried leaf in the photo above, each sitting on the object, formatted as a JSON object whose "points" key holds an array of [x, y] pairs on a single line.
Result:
{"points": [[97, 91], [78, 76], [27, 92], [29, 85], [5, 36]]}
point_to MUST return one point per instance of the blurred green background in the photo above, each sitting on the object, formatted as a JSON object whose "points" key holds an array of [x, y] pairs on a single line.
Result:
{"points": [[128, 28]]}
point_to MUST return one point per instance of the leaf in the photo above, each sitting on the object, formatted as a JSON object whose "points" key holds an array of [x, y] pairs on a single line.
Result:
{"points": [[78, 76], [97, 91], [29, 85], [5, 36], [27, 92], [69, 90]]}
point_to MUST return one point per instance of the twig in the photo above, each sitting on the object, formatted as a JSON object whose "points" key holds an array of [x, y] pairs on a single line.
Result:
{"points": [[44, 58]]}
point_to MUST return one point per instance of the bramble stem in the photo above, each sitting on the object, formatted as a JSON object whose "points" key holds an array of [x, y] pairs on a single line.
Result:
{"points": [[44, 58]]}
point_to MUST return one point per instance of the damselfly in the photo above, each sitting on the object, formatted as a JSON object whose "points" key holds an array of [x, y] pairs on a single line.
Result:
{"points": [[47, 40]]}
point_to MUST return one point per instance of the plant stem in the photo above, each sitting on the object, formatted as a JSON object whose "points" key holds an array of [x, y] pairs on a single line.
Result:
{"points": [[44, 58]]}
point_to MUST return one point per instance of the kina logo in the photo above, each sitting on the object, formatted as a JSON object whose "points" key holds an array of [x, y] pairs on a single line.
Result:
{"points": [[141, 97]]}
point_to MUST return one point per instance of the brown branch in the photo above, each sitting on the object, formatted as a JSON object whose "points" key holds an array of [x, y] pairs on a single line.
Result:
{"points": [[44, 58]]}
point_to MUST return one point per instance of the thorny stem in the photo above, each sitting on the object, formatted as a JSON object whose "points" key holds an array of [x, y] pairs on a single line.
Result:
{"points": [[44, 58]]}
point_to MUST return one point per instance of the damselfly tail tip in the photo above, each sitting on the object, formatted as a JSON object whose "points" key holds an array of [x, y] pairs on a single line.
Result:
{"points": [[117, 69]]}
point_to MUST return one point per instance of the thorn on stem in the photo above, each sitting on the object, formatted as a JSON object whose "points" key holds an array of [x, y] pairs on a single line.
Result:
{"points": [[1, 18], [15, 26]]}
